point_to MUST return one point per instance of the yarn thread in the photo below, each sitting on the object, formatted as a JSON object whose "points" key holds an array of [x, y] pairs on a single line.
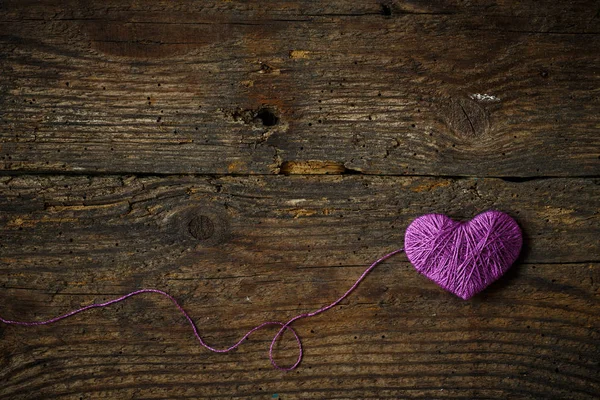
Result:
{"points": [[284, 326], [463, 257]]}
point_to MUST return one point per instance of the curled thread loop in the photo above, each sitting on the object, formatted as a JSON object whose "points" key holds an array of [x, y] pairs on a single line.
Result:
{"points": [[284, 326]]}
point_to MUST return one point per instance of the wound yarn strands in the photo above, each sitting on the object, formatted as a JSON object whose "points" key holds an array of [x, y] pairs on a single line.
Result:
{"points": [[463, 257]]}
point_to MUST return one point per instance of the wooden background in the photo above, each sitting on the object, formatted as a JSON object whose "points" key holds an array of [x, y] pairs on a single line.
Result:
{"points": [[252, 158]]}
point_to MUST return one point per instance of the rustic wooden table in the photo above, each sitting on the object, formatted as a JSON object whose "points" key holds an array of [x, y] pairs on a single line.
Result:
{"points": [[252, 158]]}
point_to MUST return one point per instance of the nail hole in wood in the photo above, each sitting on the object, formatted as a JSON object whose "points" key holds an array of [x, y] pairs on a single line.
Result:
{"points": [[386, 10], [267, 117]]}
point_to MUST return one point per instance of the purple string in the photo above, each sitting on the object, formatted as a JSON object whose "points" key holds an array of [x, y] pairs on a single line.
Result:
{"points": [[284, 326]]}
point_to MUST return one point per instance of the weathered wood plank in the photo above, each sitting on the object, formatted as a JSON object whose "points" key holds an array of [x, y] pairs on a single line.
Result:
{"points": [[535, 335], [270, 247], [311, 218], [419, 88]]}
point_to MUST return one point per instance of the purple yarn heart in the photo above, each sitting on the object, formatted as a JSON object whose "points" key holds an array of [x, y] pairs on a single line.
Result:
{"points": [[463, 257]]}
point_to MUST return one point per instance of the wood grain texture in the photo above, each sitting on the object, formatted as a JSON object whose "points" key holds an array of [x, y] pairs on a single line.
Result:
{"points": [[277, 246], [253, 157], [419, 87]]}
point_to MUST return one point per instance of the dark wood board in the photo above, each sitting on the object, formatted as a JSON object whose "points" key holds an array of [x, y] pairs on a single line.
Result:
{"points": [[271, 247], [252, 158], [435, 88]]}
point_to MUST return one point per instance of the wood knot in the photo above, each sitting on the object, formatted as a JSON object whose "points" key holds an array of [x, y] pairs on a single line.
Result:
{"points": [[466, 118], [201, 227]]}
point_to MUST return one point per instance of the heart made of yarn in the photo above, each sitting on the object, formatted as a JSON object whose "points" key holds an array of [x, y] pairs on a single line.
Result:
{"points": [[463, 257]]}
